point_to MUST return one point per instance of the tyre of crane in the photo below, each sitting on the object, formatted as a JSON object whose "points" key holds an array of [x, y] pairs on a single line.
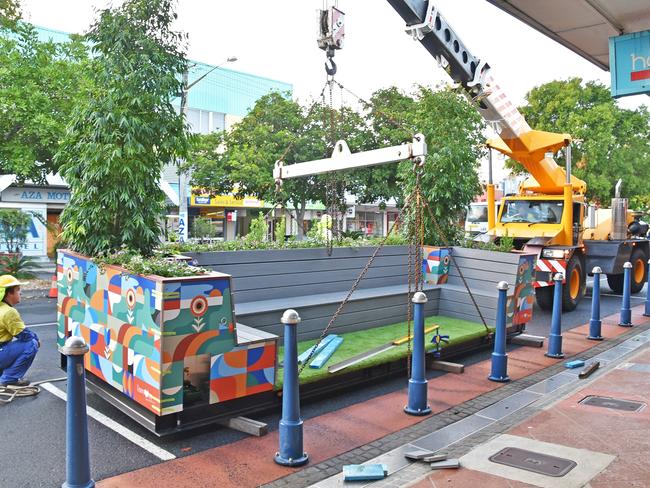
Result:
{"points": [[575, 284], [544, 297], [639, 261]]}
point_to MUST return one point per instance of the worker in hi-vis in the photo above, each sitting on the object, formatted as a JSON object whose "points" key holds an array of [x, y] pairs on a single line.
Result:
{"points": [[18, 345]]}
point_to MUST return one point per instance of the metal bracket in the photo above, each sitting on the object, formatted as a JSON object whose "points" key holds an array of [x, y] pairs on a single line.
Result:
{"points": [[343, 159], [418, 31]]}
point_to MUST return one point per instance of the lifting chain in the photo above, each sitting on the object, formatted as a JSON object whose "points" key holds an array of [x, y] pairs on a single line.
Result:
{"points": [[363, 273]]}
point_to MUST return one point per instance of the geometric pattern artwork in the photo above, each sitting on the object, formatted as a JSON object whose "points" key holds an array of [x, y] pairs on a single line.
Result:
{"points": [[152, 338], [520, 303], [435, 265]]}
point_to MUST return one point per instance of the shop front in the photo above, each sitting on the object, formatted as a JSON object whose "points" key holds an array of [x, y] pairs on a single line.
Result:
{"points": [[45, 203], [229, 216]]}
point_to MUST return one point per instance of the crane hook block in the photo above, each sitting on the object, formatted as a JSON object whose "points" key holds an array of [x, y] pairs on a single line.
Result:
{"points": [[331, 30], [330, 69]]}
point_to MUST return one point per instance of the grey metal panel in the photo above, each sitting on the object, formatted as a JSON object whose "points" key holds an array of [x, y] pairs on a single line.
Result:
{"points": [[307, 289], [501, 257], [290, 255], [462, 296], [326, 298], [473, 317], [484, 275], [239, 270], [479, 285], [452, 433], [338, 278], [448, 308], [470, 263], [394, 308]]}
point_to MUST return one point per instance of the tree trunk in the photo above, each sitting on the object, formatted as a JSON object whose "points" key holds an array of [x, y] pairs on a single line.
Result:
{"points": [[299, 214]]}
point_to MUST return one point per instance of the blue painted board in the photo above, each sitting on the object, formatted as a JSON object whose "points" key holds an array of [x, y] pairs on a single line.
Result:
{"points": [[326, 353], [363, 472], [326, 340], [577, 363]]}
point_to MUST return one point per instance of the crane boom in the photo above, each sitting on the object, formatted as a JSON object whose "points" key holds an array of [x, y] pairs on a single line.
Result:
{"points": [[516, 139]]}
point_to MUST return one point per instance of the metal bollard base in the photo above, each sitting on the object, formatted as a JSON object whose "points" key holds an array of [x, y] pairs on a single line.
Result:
{"points": [[417, 411], [90, 484], [291, 462], [499, 379], [559, 355], [595, 338]]}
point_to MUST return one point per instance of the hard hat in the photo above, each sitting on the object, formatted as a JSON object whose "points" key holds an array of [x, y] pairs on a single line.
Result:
{"points": [[7, 281]]}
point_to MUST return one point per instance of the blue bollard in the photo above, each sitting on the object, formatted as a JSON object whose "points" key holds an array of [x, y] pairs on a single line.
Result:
{"points": [[555, 337], [626, 311], [595, 323], [77, 460], [499, 370], [646, 313], [417, 400], [291, 451]]}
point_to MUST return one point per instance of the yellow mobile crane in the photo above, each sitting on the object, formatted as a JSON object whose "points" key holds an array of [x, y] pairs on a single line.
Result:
{"points": [[549, 216]]}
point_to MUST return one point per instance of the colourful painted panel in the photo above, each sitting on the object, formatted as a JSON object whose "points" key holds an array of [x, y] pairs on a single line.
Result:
{"points": [[522, 297], [156, 340], [243, 371], [435, 265]]}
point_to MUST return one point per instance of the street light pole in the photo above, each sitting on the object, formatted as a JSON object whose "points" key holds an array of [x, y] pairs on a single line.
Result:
{"points": [[183, 221]]}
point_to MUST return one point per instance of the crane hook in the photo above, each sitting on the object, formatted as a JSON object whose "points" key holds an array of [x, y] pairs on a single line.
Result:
{"points": [[331, 70]]}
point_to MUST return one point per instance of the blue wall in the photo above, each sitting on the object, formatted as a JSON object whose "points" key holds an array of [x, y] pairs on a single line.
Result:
{"points": [[224, 90]]}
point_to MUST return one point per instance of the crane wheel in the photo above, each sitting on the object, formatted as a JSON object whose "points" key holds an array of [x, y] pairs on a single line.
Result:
{"points": [[639, 261], [574, 286]]}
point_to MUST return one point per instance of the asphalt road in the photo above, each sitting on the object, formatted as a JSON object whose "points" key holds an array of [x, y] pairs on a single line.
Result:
{"points": [[33, 440]]}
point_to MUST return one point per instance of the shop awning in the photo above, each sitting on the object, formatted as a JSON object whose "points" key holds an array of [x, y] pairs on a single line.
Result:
{"points": [[584, 26], [6, 181]]}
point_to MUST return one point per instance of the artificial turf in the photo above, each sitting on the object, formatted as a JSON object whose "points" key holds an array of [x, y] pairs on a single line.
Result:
{"points": [[363, 340]]}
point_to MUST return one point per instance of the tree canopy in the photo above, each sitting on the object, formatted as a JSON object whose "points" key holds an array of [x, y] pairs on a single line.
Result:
{"points": [[242, 160], [125, 131], [39, 84], [610, 142]]}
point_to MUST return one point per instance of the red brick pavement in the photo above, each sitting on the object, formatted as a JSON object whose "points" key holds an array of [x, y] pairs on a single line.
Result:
{"points": [[249, 462]]}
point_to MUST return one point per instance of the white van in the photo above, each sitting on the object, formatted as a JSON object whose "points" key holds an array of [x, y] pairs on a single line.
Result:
{"points": [[476, 221]]}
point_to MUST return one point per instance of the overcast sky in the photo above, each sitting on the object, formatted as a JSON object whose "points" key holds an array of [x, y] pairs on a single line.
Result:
{"points": [[278, 40]]}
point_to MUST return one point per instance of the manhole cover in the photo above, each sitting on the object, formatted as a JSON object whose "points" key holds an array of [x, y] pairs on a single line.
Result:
{"points": [[533, 461], [615, 403]]}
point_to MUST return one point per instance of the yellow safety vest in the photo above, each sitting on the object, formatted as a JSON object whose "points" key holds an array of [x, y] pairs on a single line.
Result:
{"points": [[10, 322]]}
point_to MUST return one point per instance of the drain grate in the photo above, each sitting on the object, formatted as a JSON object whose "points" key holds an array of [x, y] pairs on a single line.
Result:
{"points": [[533, 461], [615, 403]]}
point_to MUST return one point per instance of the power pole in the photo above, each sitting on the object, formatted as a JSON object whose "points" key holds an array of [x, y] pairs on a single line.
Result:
{"points": [[183, 222]]}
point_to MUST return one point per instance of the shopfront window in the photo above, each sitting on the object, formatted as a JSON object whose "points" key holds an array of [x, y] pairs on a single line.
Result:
{"points": [[369, 223]]}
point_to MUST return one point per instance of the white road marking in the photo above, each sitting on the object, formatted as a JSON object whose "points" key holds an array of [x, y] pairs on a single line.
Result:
{"points": [[40, 325], [138, 440]]}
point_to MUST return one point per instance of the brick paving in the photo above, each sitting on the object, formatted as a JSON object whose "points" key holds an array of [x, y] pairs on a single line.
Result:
{"points": [[361, 432]]}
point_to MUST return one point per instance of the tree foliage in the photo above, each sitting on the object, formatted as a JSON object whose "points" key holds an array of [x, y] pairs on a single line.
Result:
{"points": [[242, 160], [39, 84], [610, 142], [123, 134], [453, 131]]}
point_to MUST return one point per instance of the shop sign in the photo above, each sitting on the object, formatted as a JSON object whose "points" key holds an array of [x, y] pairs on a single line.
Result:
{"points": [[629, 62], [225, 201], [36, 195], [36, 234]]}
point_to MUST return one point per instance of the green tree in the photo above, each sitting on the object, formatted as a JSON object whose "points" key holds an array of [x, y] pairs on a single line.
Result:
{"points": [[14, 227], [123, 134], [242, 160], [39, 85], [9, 12], [453, 131], [610, 142]]}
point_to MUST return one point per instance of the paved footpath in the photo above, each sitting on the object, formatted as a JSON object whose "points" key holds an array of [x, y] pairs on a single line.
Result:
{"points": [[471, 418]]}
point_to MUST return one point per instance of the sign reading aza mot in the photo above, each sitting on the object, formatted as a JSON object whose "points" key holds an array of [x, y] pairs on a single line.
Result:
{"points": [[629, 63]]}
